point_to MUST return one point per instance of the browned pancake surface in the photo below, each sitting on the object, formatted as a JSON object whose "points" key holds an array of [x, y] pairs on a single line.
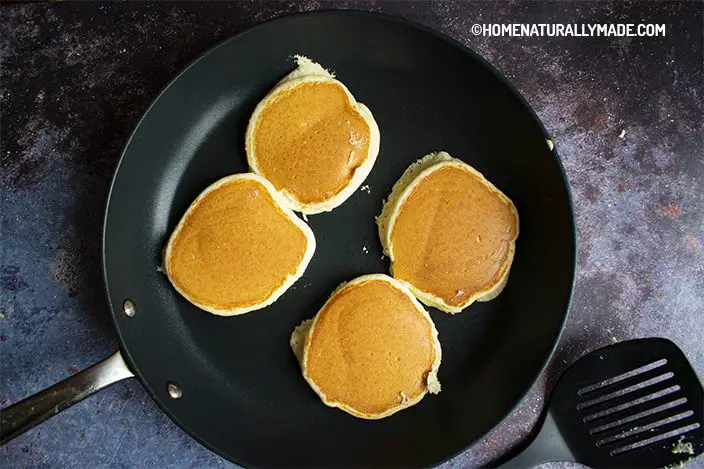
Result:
{"points": [[452, 235], [309, 141], [370, 347], [235, 248]]}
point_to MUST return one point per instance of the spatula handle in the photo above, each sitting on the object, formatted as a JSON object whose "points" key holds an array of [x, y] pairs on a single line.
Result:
{"points": [[547, 446]]}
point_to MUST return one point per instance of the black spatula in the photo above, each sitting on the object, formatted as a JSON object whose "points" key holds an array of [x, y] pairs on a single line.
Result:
{"points": [[633, 404]]}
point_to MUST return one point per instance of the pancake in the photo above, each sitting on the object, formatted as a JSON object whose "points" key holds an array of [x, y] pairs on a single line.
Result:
{"points": [[449, 233], [237, 248], [371, 350], [312, 139]]}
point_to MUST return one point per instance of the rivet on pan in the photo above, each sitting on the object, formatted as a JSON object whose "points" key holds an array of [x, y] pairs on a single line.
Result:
{"points": [[129, 308], [174, 391]]}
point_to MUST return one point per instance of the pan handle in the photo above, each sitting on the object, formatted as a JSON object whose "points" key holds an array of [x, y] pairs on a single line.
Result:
{"points": [[21, 416]]}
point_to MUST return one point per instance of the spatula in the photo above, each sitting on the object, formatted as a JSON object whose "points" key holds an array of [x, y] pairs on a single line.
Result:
{"points": [[634, 404]]}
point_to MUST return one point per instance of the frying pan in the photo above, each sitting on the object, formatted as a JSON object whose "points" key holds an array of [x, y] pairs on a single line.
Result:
{"points": [[233, 383]]}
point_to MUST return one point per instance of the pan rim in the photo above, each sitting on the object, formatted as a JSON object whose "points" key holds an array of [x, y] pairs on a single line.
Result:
{"points": [[404, 22]]}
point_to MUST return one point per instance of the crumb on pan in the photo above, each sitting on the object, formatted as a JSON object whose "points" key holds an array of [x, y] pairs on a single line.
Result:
{"points": [[683, 448]]}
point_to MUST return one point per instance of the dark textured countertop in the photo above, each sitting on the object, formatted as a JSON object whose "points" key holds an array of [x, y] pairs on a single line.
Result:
{"points": [[625, 113]]}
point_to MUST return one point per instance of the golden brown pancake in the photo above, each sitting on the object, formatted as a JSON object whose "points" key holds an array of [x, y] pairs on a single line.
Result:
{"points": [[371, 350], [312, 140], [237, 248], [449, 233]]}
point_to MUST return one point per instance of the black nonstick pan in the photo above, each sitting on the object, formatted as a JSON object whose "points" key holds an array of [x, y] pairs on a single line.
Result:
{"points": [[233, 383]]}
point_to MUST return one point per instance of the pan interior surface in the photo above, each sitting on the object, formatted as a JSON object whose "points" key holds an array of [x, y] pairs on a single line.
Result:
{"points": [[243, 393]]}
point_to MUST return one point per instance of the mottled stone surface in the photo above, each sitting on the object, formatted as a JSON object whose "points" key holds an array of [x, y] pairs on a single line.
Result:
{"points": [[626, 115]]}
